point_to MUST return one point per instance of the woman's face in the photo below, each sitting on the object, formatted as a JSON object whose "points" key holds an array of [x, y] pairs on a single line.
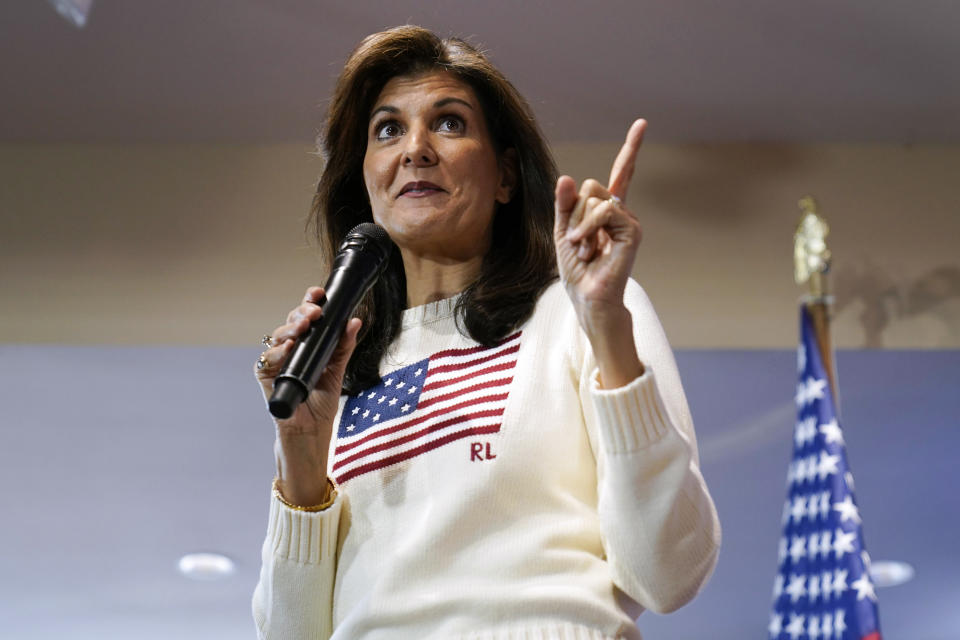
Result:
{"points": [[431, 171]]}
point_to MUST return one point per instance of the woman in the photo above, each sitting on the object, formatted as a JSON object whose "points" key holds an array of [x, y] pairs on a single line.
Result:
{"points": [[510, 456]]}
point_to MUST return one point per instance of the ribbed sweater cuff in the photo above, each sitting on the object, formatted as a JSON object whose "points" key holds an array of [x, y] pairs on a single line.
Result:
{"points": [[631, 417], [302, 536]]}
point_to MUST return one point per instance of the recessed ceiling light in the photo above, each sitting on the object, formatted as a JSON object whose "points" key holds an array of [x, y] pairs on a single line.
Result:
{"points": [[206, 566], [74, 11], [887, 573]]}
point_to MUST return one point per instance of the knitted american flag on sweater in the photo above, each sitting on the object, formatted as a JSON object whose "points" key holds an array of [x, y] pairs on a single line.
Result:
{"points": [[452, 394]]}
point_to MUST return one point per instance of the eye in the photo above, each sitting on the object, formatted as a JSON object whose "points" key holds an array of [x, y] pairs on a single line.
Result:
{"points": [[450, 124], [387, 130]]}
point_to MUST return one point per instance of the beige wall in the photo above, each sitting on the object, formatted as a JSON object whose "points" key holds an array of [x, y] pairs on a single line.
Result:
{"points": [[203, 244]]}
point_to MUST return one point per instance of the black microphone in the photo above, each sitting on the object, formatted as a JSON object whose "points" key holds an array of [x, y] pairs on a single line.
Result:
{"points": [[361, 259]]}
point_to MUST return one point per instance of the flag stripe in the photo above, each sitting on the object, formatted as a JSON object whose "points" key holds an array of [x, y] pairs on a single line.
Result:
{"points": [[472, 363], [470, 350], [506, 366], [390, 444], [427, 446], [501, 382]]}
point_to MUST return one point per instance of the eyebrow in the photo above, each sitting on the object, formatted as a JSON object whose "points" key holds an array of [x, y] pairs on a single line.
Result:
{"points": [[436, 105]]}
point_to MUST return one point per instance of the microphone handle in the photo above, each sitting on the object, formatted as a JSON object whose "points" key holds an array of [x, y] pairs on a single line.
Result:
{"points": [[353, 274]]}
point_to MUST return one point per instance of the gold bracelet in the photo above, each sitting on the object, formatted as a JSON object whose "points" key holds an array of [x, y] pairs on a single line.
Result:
{"points": [[296, 507]]}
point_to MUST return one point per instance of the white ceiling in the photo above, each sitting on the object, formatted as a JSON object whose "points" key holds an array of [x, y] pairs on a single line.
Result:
{"points": [[259, 71]]}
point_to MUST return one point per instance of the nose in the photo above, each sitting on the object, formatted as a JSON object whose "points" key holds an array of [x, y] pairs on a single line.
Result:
{"points": [[418, 152]]}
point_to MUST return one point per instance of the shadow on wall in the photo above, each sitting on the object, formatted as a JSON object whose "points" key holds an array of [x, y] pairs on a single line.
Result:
{"points": [[730, 173], [885, 304]]}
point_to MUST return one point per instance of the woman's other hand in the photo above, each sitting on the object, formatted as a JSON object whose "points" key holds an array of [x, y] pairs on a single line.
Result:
{"points": [[597, 238], [303, 439]]}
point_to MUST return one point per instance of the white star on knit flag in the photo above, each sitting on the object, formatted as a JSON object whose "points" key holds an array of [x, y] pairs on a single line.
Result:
{"points": [[372, 395], [864, 588], [776, 625], [796, 588], [848, 510], [795, 628], [388, 382], [355, 411], [400, 384], [843, 542], [813, 627], [831, 432], [405, 408]]}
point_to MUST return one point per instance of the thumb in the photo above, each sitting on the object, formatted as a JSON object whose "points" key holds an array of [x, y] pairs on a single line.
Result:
{"points": [[565, 199]]}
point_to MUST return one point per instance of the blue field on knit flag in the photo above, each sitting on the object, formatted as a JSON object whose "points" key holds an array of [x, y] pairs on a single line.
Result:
{"points": [[822, 590], [451, 395]]}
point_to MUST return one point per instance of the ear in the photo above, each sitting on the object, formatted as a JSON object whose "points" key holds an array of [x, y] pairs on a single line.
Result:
{"points": [[508, 165]]}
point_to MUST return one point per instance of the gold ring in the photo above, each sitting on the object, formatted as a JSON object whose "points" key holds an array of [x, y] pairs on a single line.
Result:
{"points": [[267, 339], [261, 362], [615, 201]]}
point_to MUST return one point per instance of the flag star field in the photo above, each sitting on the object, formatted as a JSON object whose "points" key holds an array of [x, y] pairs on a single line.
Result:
{"points": [[822, 590]]}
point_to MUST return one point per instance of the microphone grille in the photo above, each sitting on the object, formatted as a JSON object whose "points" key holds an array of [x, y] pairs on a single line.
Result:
{"points": [[375, 233]]}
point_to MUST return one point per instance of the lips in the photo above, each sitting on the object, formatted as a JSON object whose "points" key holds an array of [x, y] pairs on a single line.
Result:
{"points": [[419, 189]]}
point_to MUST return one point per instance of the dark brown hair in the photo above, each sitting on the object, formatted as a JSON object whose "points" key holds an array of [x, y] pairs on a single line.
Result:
{"points": [[521, 261]]}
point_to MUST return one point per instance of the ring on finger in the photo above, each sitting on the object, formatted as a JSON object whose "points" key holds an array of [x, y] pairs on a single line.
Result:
{"points": [[267, 340], [261, 361], [615, 200]]}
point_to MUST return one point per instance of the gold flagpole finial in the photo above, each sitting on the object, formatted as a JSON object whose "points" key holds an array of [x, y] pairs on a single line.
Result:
{"points": [[811, 257]]}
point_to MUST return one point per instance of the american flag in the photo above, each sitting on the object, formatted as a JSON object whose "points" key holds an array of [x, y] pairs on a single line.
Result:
{"points": [[450, 395], [822, 590]]}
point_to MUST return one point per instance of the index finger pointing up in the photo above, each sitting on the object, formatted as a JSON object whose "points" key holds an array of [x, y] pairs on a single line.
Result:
{"points": [[622, 169]]}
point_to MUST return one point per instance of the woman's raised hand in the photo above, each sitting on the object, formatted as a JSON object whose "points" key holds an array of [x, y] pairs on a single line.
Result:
{"points": [[597, 238], [596, 235], [303, 439]]}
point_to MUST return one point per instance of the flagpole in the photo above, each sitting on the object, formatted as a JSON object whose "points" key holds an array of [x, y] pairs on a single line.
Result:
{"points": [[812, 260]]}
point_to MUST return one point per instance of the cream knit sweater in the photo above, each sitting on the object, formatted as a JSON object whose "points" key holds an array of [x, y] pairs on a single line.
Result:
{"points": [[498, 493]]}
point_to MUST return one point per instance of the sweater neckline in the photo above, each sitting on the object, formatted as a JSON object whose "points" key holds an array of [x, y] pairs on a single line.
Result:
{"points": [[429, 312]]}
